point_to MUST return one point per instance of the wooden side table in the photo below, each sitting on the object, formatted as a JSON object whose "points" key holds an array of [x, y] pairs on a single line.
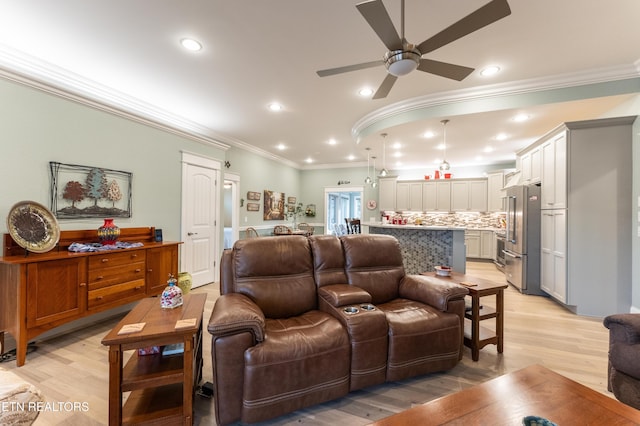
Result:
{"points": [[161, 387], [477, 337]]}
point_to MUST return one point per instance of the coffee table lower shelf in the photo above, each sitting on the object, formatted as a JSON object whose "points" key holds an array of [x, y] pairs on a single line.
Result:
{"points": [[156, 405]]}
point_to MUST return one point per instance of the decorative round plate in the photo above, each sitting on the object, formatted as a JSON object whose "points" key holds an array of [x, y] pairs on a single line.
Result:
{"points": [[33, 227]]}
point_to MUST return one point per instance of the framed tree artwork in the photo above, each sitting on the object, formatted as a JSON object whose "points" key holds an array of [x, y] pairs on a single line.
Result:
{"points": [[89, 192]]}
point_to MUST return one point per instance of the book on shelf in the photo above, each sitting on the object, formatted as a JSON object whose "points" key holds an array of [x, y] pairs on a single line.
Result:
{"points": [[174, 349]]}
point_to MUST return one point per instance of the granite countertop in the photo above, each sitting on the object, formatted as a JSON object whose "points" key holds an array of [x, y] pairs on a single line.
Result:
{"points": [[421, 227]]}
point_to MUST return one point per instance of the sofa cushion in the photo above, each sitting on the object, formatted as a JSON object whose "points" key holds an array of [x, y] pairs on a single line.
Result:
{"points": [[374, 263], [303, 361], [422, 339], [328, 260], [270, 270]]}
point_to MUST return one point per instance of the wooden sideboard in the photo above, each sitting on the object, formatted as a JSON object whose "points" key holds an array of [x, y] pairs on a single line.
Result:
{"points": [[41, 291]]}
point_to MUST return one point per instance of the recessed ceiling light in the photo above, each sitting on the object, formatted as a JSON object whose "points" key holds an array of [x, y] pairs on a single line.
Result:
{"points": [[191, 44], [489, 71], [501, 136], [521, 117], [309, 160], [397, 145], [274, 106], [429, 134], [351, 157], [281, 147], [397, 154], [365, 91], [441, 146], [488, 149], [332, 141]]}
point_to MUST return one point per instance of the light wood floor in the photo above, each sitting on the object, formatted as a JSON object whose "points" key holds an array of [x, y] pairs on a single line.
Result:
{"points": [[73, 367]]}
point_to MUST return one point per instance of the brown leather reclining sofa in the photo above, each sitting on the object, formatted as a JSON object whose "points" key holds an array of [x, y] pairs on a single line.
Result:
{"points": [[302, 321]]}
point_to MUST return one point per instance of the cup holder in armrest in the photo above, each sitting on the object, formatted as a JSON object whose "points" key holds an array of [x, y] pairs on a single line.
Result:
{"points": [[367, 307], [350, 310]]}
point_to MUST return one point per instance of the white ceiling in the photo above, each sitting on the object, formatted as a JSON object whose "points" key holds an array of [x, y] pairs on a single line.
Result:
{"points": [[127, 54]]}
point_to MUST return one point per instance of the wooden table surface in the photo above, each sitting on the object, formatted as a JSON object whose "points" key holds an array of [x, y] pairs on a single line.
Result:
{"points": [[506, 400]]}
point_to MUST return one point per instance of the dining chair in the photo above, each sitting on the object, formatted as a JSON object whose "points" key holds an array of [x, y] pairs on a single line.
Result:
{"points": [[251, 232], [281, 230], [306, 227], [354, 226]]}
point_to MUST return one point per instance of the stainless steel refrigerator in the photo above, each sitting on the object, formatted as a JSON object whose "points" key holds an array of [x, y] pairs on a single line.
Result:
{"points": [[522, 241]]}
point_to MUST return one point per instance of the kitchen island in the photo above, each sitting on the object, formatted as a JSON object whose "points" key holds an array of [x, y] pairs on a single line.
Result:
{"points": [[424, 247]]}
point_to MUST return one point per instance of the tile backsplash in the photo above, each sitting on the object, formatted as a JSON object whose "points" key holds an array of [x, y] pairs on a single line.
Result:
{"points": [[466, 220]]}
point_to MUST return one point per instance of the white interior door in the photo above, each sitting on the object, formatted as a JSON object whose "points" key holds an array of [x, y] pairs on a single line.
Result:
{"points": [[200, 212]]}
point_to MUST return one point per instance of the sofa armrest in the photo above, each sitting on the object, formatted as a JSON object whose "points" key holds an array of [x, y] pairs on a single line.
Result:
{"points": [[343, 294], [624, 328], [235, 313], [431, 290]]}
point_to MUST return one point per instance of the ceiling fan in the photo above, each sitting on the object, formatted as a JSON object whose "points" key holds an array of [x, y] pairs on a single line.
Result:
{"points": [[403, 57]]}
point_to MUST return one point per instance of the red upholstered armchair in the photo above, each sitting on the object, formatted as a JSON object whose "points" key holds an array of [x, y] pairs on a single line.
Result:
{"points": [[624, 357]]}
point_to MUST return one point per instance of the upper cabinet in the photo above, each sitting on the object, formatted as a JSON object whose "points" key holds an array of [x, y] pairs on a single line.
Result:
{"points": [[469, 195], [387, 194], [409, 196], [554, 172], [496, 193], [530, 165], [436, 196]]}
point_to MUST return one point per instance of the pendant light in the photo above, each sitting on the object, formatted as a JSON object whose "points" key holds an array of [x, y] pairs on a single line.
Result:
{"points": [[384, 171], [444, 166], [368, 179], [374, 184]]}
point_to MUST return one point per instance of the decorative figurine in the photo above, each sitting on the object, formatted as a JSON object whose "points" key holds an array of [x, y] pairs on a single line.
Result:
{"points": [[172, 294]]}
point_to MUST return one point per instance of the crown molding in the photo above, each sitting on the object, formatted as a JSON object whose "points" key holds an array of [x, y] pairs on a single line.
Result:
{"points": [[405, 111]]}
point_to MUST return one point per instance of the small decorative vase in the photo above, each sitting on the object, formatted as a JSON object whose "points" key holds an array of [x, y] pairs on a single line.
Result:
{"points": [[184, 282], [108, 233], [172, 295]]}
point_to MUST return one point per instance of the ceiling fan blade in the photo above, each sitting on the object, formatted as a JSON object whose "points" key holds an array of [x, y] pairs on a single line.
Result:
{"points": [[378, 18], [487, 14], [349, 68], [443, 69], [385, 87]]}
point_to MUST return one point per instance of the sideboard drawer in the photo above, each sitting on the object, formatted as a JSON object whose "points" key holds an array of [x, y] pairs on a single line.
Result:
{"points": [[111, 259], [103, 277], [118, 294]]}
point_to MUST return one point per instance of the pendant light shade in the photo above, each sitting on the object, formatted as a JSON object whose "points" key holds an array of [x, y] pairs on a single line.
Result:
{"points": [[384, 172], [444, 166], [368, 178]]}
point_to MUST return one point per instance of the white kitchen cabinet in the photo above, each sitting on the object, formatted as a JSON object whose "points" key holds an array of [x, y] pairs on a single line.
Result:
{"points": [[586, 248], [530, 166], [496, 194], [487, 245], [554, 172], [553, 254], [387, 194], [480, 244], [469, 195], [436, 196], [409, 196], [472, 243]]}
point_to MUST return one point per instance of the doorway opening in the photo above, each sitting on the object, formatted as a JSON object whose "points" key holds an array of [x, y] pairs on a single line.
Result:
{"points": [[341, 204], [231, 209]]}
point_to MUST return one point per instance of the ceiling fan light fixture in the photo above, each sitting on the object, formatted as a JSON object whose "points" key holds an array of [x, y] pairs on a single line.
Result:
{"points": [[402, 62]]}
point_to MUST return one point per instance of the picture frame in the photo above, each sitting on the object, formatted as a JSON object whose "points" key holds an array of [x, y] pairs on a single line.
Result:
{"points": [[274, 205], [253, 196], [79, 191], [253, 207], [291, 200]]}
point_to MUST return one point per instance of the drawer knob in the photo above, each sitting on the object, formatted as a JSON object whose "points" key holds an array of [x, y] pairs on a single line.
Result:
{"points": [[83, 284], [138, 287], [104, 260], [99, 298], [133, 256], [99, 278], [138, 270]]}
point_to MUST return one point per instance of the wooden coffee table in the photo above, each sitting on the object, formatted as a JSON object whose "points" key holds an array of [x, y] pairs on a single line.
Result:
{"points": [[161, 386], [506, 400]]}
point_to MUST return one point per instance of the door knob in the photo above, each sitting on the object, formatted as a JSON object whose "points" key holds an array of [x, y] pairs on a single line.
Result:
{"points": [[192, 233]]}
